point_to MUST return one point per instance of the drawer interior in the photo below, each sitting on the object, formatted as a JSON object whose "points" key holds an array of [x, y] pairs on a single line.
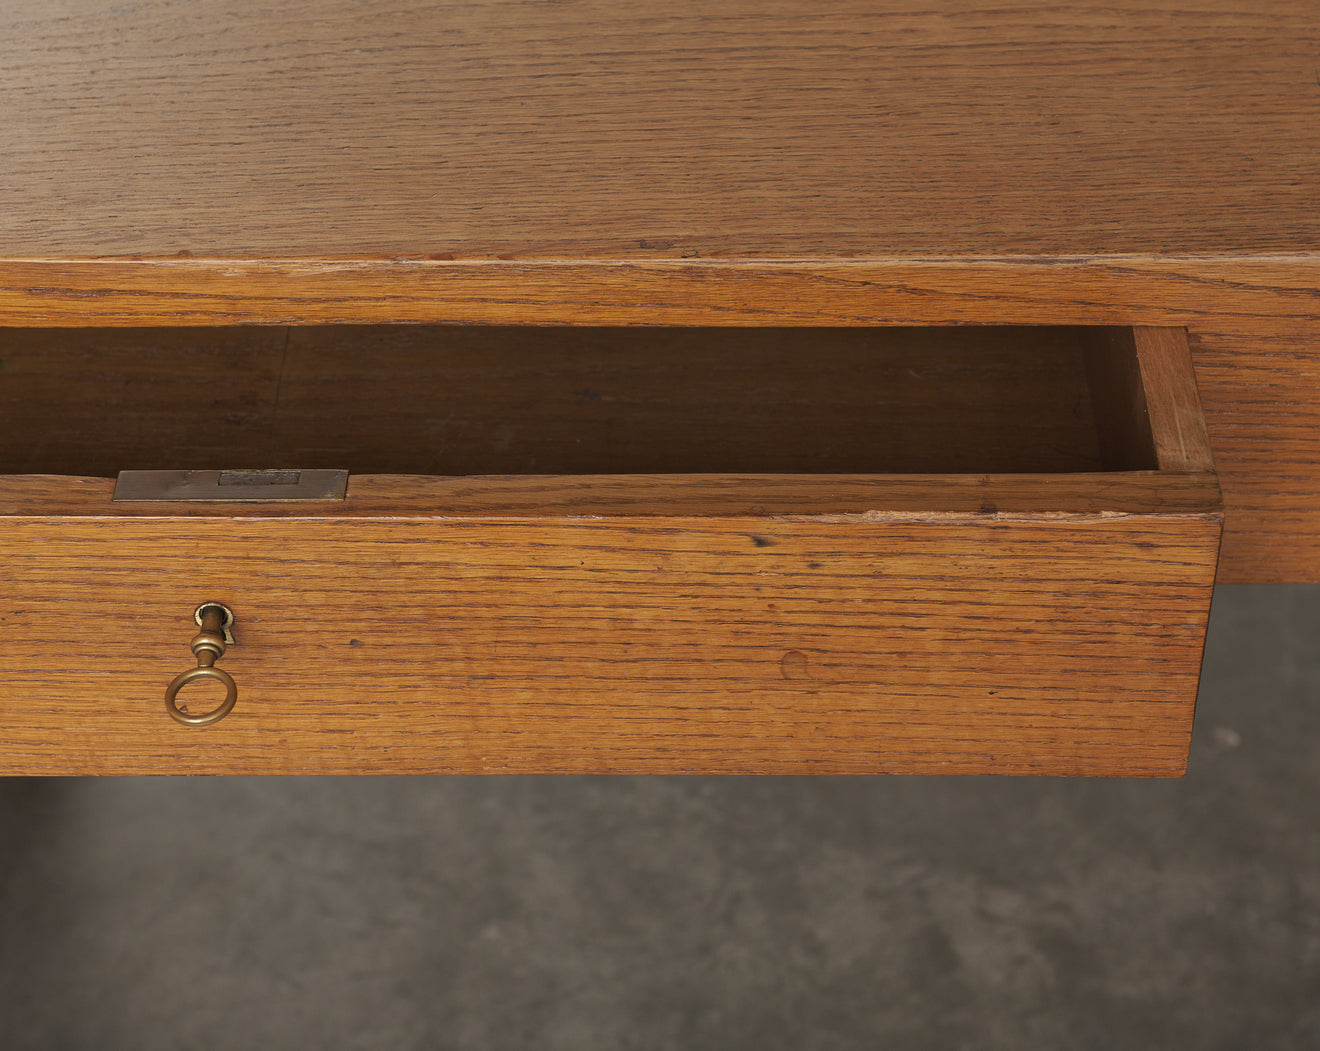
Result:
{"points": [[452, 401]]}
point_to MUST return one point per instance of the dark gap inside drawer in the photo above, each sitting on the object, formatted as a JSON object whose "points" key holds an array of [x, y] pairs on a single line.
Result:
{"points": [[447, 400]]}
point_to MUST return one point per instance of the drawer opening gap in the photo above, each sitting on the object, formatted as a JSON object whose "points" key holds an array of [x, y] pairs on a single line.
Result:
{"points": [[489, 400]]}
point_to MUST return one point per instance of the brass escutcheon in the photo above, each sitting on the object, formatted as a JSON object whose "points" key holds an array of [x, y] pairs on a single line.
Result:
{"points": [[215, 620]]}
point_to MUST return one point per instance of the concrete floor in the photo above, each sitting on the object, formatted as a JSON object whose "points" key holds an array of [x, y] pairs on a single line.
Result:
{"points": [[695, 913]]}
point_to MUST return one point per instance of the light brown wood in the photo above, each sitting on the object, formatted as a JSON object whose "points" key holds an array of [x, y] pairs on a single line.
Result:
{"points": [[660, 644], [785, 128], [1173, 407], [1015, 623], [1232, 295], [772, 163], [1253, 327], [864, 497], [1144, 399]]}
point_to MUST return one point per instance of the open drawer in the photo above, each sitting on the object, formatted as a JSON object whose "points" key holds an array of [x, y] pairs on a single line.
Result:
{"points": [[959, 550]]}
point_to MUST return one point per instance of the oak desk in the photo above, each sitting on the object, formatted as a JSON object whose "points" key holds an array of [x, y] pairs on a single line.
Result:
{"points": [[395, 191]]}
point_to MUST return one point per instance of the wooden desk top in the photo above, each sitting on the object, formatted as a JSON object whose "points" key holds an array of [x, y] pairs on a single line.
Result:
{"points": [[479, 129]]}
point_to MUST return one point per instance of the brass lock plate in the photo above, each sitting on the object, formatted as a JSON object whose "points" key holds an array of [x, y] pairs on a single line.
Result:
{"points": [[246, 487]]}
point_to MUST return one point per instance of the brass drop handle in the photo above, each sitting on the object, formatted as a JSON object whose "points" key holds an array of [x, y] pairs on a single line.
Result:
{"points": [[215, 620]]}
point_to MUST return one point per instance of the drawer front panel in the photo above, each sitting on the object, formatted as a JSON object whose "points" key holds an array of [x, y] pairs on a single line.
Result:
{"points": [[962, 643]]}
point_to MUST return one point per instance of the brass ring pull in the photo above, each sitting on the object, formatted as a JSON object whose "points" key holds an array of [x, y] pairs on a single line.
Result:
{"points": [[202, 672], [209, 645]]}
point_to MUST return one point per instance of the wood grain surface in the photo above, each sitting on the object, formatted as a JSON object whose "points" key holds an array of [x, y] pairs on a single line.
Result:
{"points": [[1066, 645], [1017, 623], [858, 497], [1254, 325], [1171, 400], [273, 161], [289, 128]]}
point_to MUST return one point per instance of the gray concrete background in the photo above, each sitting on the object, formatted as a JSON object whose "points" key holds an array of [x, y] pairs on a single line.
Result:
{"points": [[695, 913]]}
